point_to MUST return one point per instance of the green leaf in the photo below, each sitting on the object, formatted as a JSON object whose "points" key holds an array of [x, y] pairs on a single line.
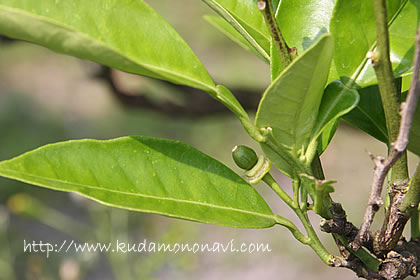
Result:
{"points": [[303, 22], [369, 114], [127, 35], [337, 101], [145, 174], [290, 105], [232, 33], [245, 17], [353, 29]]}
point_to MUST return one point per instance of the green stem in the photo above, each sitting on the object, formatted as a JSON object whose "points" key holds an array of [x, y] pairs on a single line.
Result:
{"points": [[312, 239], [224, 95], [285, 53], [293, 229], [370, 262], [288, 157], [316, 167], [388, 89], [269, 180]]}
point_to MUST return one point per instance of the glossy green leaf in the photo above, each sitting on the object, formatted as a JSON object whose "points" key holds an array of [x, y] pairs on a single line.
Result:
{"points": [[232, 33], [145, 174], [245, 17], [303, 22], [337, 101], [127, 35], [290, 105], [353, 29], [369, 114]]}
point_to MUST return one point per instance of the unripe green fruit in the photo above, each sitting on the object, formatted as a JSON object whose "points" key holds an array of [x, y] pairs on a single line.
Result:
{"points": [[244, 157], [257, 167]]}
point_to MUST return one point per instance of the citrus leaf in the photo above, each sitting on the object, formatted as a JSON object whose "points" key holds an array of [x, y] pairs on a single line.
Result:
{"points": [[145, 174], [127, 35], [353, 29], [303, 22], [337, 101], [290, 105], [245, 17]]}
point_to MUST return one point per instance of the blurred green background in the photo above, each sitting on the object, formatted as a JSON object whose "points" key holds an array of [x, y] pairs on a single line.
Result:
{"points": [[46, 97]]}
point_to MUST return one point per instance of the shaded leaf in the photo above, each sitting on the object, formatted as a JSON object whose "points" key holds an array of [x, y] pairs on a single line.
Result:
{"points": [[127, 35], [337, 101], [326, 137], [369, 114], [145, 174]]}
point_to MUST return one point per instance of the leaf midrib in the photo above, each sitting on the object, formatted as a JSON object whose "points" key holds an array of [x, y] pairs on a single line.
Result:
{"points": [[151, 68], [19, 175], [244, 32]]}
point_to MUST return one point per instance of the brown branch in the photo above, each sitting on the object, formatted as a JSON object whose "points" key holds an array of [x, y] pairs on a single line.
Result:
{"points": [[382, 166]]}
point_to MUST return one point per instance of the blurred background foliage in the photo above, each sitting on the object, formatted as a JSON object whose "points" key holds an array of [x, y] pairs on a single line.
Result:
{"points": [[46, 97]]}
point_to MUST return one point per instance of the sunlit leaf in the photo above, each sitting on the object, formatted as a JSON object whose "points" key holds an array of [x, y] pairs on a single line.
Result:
{"points": [[145, 174], [290, 105], [353, 29], [127, 35], [303, 22]]}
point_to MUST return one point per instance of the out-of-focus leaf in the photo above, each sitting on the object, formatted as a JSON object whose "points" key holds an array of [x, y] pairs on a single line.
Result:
{"points": [[353, 29], [232, 33], [245, 17], [337, 101], [369, 114], [145, 174], [127, 35], [290, 105]]}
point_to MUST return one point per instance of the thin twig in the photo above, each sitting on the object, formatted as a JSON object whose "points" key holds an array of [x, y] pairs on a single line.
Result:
{"points": [[286, 54], [382, 166]]}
